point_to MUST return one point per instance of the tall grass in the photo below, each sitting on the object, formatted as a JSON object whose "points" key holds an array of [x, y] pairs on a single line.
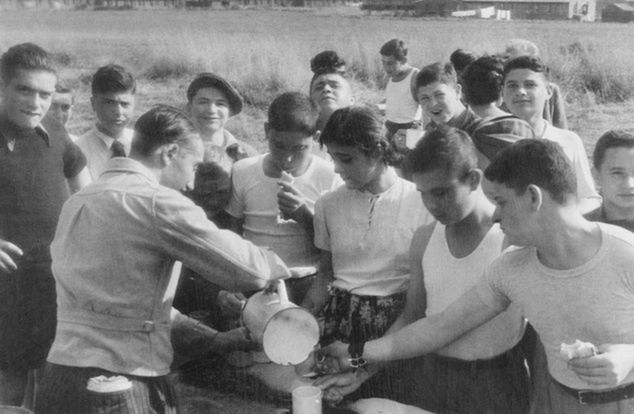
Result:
{"points": [[265, 52]]}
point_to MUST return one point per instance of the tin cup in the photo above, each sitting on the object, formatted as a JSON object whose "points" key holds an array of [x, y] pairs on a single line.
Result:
{"points": [[307, 400]]}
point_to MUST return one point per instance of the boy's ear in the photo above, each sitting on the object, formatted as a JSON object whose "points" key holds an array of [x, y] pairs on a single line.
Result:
{"points": [[167, 153], [475, 178], [458, 88], [536, 196]]}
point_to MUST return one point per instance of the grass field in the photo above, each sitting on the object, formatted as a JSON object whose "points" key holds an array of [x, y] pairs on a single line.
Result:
{"points": [[265, 52]]}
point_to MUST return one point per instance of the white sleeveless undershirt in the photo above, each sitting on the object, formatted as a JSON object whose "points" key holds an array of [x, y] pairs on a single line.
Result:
{"points": [[400, 106], [447, 278]]}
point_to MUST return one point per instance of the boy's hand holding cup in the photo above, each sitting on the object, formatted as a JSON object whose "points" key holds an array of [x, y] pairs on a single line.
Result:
{"points": [[290, 201]]}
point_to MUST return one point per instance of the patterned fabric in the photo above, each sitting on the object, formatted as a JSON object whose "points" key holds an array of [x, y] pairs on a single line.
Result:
{"points": [[373, 314], [491, 135]]}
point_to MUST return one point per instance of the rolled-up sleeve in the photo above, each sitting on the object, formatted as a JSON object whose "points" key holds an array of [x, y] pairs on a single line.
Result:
{"points": [[220, 256]]}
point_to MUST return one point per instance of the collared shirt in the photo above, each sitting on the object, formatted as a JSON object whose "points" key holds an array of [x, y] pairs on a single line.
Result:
{"points": [[96, 147], [34, 166], [113, 252]]}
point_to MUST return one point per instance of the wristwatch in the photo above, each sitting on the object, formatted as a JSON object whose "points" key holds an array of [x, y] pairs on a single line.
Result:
{"points": [[355, 349]]}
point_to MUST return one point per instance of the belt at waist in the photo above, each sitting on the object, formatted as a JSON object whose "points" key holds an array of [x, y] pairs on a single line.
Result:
{"points": [[106, 321], [599, 396]]}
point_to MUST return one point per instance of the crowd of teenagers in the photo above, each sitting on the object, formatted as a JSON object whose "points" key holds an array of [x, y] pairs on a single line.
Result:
{"points": [[450, 245]]}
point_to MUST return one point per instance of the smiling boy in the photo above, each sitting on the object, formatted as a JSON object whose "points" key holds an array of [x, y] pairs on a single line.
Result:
{"points": [[38, 165], [113, 90], [613, 161], [526, 90], [439, 94]]}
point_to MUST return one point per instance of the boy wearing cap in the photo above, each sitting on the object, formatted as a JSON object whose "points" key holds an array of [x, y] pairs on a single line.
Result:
{"points": [[38, 166], [113, 90], [211, 101]]}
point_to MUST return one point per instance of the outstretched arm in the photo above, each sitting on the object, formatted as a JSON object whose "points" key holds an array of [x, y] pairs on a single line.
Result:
{"points": [[425, 335]]}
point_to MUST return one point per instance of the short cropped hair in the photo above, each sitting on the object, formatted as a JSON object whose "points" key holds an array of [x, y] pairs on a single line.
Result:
{"points": [[293, 112], [437, 72], [482, 81], [111, 79], [163, 125], [532, 63], [443, 148], [611, 139], [521, 47], [395, 48], [25, 56], [361, 127], [534, 161], [460, 59]]}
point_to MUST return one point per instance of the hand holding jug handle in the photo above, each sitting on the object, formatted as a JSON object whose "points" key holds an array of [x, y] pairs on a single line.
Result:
{"points": [[279, 286]]}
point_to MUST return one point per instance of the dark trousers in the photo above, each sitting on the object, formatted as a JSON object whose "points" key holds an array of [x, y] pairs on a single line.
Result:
{"points": [[499, 385], [63, 391]]}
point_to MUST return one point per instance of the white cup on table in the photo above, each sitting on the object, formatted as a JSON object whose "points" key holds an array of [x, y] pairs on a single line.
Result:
{"points": [[307, 400]]}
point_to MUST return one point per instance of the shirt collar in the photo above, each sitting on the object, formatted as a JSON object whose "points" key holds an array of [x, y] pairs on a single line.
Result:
{"points": [[9, 132], [121, 164], [125, 139]]}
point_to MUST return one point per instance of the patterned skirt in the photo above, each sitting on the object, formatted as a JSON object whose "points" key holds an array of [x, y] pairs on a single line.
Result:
{"points": [[347, 315]]}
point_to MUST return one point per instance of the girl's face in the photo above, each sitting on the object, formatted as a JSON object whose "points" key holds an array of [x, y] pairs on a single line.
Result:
{"points": [[330, 92], [209, 109], [356, 169]]}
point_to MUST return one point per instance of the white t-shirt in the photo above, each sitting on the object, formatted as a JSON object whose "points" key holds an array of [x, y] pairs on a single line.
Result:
{"points": [[447, 277], [369, 236], [254, 198], [573, 148], [593, 302]]}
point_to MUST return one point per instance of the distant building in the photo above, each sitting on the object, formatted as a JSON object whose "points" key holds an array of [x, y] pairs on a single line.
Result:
{"points": [[584, 10], [618, 12]]}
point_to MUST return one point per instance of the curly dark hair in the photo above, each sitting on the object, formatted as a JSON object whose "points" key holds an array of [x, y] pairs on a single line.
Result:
{"points": [[327, 61]]}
